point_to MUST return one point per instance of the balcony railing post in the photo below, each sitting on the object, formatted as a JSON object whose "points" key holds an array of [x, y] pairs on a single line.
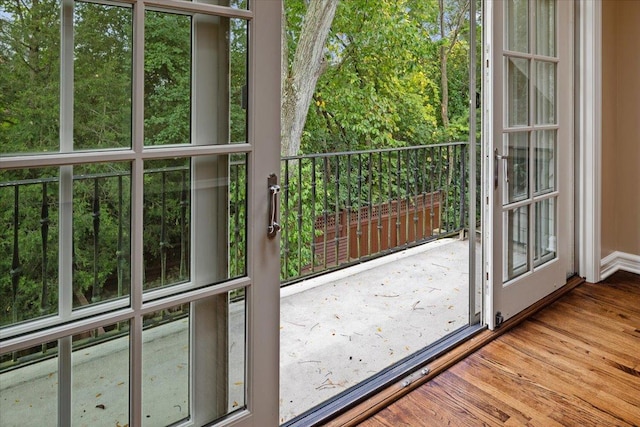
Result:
{"points": [[95, 294], [44, 234], [463, 187], [16, 268], [325, 210], [348, 208], [336, 208], [360, 204], [163, 232], [286, 189], [184, 204], [299, 218], [313, 213]]}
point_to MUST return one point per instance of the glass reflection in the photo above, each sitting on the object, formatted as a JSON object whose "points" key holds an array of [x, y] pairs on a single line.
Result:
{"points": [[517, 171], [546, 27], [165, 366], [545, 169], [29, 386], [102, 67], [545, 93], [516, 236], [545, 231], [518, 92], [517, 25], [100, 373], [101, 232]]}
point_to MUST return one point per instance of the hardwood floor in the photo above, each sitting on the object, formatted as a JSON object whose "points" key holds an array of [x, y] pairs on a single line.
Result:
{"points": [[574, 363]]}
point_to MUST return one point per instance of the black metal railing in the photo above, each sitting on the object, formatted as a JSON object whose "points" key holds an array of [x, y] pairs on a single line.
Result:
{"points": [[343, 208]]}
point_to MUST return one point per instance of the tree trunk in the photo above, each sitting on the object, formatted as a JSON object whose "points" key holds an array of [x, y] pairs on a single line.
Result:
{"points": [[299, 83], [444, 80]]}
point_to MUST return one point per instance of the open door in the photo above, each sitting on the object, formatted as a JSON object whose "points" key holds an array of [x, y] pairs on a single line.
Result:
{"points": [[528, 152], [152, 191]]}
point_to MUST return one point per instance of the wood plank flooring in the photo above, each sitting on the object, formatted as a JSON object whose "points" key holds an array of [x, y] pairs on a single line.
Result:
{"points": [[574, 363]]}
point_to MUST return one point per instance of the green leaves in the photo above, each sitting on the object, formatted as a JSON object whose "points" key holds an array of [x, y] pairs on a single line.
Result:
{"points": [[381, 85]]}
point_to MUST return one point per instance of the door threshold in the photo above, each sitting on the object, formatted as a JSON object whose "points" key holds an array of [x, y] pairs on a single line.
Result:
{"points": [[376, 385]]}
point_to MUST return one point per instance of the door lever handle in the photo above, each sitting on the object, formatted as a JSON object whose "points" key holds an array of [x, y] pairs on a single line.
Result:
{"points": [[273, 227], [499, 156]]}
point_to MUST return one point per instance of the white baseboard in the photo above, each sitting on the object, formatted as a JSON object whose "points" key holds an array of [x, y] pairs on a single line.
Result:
{"points": [[619, 261]]}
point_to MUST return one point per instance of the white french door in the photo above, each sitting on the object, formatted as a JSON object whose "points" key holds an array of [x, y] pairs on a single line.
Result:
{"points": [[142, 285], [528, 152]]}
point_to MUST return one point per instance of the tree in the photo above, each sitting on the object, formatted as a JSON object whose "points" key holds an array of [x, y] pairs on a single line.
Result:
{"points": [[451, 20], [300, 80]]}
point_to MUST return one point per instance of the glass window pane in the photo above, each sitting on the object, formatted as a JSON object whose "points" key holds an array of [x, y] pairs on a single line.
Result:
{"points": [[167, 79], [238, 96], [29, 76], [167, 218], [545, 231], [165, 366], [516, 240], [29, 242], [236, 4], [100, 372], [101, 232], [29, 386], [545, 93], [517, 147], [239, 4], [210, 190], [237, 350], [545, 161], [546, 27], [517, 25], [238, 216], [518, 92], [102, 76]]}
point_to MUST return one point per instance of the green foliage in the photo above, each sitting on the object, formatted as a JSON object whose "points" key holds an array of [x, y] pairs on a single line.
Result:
{"points": [[167, 83], [381, 84]]}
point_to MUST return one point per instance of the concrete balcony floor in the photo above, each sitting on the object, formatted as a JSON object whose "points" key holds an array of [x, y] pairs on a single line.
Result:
{"points": [[336, 330], [343, 327]]}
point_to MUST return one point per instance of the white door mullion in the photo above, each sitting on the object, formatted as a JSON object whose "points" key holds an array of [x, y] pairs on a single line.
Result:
{"points": [[137, 218], [65, 257]]}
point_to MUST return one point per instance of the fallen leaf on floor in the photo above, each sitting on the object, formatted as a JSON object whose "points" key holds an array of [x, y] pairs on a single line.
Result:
{"points": [[379, 329], [99, 394]]}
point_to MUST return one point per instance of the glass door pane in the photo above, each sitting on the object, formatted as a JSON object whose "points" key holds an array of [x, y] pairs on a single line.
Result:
{"points": [[518, 91]]}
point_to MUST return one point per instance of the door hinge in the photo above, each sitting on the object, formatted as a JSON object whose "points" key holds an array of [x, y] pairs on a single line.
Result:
{"points": [[499, 319]]}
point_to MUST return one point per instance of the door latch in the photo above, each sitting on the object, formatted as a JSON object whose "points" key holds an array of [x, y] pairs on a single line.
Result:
{"points": [[499, 156], [273, 227]]}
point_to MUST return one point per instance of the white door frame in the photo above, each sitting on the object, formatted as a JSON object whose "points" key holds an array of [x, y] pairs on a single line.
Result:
{"points": [[589, 144]]}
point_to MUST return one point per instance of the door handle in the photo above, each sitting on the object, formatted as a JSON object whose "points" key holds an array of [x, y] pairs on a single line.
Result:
{"points": [[274, 189], [499, 156]]}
